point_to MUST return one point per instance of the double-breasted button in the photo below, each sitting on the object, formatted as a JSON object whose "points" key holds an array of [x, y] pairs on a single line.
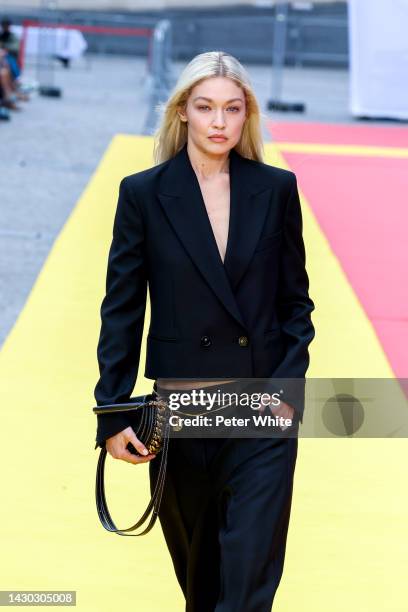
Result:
{"points": [[205, 341], [243, 341]]}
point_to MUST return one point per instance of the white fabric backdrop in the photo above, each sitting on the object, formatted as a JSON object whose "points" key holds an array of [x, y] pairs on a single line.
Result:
{"points": [[59, 41], [378, 36]]}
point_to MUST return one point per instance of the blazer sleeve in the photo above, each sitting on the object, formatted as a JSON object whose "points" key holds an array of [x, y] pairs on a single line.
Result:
{"points": [[122, 314], [294, 306]]}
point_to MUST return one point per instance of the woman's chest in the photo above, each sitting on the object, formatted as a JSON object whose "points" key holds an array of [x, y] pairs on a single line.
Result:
{"points": [[216, 198]]}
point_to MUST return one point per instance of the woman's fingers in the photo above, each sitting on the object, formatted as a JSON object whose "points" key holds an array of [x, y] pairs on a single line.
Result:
{"points": [[116, 447], [283, 410], [131, 458], [139, 446]]}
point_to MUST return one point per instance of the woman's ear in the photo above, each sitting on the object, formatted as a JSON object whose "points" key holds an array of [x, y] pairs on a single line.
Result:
{"points": [[182, 115]]}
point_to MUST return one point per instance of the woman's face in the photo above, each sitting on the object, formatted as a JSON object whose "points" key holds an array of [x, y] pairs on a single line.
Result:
{"points": [[215, 106]]}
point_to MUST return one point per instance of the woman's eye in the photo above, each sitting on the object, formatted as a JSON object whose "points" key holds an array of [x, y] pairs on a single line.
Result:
{"points": [[204, 106]]}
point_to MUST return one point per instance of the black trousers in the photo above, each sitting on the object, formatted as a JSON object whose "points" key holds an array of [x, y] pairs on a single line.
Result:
{"points": [[225, 514]]}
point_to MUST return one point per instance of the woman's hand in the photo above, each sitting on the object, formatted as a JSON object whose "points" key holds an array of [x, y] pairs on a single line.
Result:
{"points": [[116, 447], [282, 410]]}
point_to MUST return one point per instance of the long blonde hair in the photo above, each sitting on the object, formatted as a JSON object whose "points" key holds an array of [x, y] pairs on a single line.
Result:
{"points": [[171, 135]]}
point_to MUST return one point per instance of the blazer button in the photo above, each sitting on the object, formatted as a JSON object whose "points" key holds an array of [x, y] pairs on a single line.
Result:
{"points": [[205, 341], [243, 341]]}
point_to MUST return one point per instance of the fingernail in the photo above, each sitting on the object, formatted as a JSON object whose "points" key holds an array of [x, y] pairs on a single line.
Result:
{"points": [[145, 452]]}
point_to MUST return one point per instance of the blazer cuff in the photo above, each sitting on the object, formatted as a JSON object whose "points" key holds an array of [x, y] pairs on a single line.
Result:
{"points": [[109, 425]]}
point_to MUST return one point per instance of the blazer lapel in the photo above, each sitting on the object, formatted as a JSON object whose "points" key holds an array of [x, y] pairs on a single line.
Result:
{"points": [[250, 193], [181, 199]]}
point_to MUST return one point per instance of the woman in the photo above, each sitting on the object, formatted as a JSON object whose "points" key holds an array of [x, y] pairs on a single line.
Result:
{"points": [[217, 235]]}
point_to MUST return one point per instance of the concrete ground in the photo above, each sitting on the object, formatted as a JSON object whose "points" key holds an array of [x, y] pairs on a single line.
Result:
{"points": [[50, 149]]}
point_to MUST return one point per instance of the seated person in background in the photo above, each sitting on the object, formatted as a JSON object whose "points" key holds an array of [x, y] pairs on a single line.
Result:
{"points": [[4, 113], [11, 44], [8, 97], [8, 40]]}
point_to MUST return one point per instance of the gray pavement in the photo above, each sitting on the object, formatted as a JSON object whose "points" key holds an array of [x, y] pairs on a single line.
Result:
{"points": [[49, 150]]}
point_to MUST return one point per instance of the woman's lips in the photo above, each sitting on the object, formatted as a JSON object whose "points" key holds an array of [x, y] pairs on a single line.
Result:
{"points": [[218, 138]]}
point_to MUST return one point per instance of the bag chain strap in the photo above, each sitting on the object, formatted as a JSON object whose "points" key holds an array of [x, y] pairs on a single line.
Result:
{"points": [[154, 504]]}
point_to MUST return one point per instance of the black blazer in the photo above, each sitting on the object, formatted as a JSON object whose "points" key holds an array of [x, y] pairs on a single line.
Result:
{"points": [[247, 317]]}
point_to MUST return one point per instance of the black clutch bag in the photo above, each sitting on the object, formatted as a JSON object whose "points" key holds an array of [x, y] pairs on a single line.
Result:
{"points": [[149, 418]]}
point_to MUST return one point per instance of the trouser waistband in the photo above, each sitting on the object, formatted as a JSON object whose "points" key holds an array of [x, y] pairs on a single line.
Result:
{"points": [[219, 389]]}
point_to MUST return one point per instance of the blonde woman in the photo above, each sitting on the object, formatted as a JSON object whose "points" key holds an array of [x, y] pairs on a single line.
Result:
{"points": [[216, 235]]}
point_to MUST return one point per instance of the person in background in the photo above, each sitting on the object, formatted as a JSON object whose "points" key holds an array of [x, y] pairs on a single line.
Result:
{"points": [[8, 98], [9, 49], [8, 40]]}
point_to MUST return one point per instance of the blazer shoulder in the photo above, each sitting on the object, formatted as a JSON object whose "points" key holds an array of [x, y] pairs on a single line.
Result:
{"points": [[144, 180], [281, 175]]}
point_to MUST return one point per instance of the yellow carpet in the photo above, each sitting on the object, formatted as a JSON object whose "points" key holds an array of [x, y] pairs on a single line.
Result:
{"points": [[348, 534]]}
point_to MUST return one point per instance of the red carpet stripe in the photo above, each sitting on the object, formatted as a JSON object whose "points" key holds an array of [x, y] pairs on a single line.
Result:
{"points": [[324, 133], [361, 204]]}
